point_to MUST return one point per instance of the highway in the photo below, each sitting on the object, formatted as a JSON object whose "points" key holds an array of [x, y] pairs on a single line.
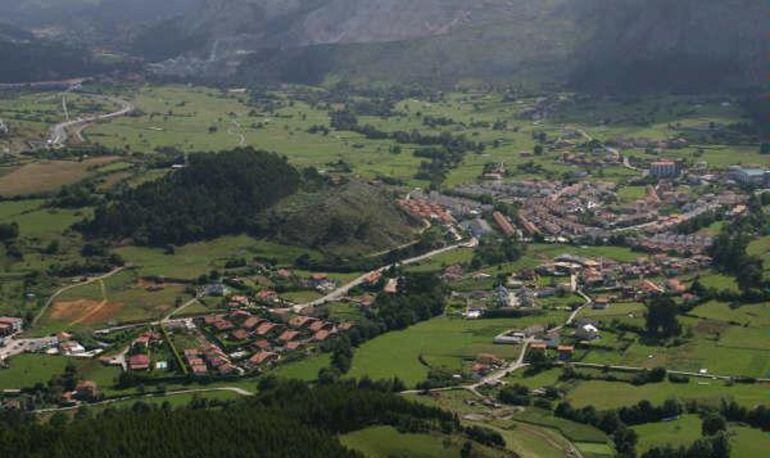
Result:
{"points": [[58, 136]]}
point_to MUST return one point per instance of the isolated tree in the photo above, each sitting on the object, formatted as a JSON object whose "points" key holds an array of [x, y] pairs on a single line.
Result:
{"points": [[750, 276], [713, 423], [661, 317]]}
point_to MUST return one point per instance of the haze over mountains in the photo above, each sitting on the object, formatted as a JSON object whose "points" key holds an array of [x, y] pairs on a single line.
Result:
{"points": [[595, 44]]}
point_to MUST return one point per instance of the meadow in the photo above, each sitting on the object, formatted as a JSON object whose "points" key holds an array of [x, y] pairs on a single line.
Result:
{"points": [[608, 395], [386, 442], [45, 176], [442, 341], [683, 431], [26, 370], [192, 260], [121, 298]]}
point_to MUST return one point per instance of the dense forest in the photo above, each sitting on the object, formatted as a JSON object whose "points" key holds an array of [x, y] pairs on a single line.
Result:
{"points": [[43, 61], [287, 419], [216, 194]]}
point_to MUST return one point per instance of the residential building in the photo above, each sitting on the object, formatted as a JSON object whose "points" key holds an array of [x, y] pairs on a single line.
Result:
{"points": [[139, 362], [10, 325], [750, 176], [665, 169]]}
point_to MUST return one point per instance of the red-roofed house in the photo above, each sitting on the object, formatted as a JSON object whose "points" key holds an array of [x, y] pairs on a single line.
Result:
{"points": [[301, 321], [252, 322], [139, 362], [288, 336], [265, 328], [263, 357], [293, 345], [346, 326], [318, 325], [263, 344], [240, 334], [267, 295], [321, 335]]}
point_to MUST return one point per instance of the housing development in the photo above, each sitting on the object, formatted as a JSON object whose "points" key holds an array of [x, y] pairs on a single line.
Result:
{"points": [[383, 229]]}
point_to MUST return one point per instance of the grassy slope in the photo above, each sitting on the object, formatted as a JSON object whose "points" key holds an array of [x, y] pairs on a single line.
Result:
{"points": [[370, 219], [441, 341], [683, 431], [386, 442]]}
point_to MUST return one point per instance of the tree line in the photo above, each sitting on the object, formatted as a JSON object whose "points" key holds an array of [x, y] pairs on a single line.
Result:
{"points": [[286, 419]]}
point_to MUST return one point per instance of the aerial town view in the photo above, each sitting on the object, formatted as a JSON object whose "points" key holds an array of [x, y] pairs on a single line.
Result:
{"points": [[384, 228]]}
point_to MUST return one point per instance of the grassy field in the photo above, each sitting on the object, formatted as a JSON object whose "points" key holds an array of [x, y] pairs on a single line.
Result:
{"points": [[575, 432], [175, 400], [45, 176], [682, 431], [748, 442], [761, 248], [745, 442], [608, 395], [629, 194], [441, 341], [120, 298], [190, 261], [718, 339], [28, 369], [440, 262], [306, 369], [386, 442]]}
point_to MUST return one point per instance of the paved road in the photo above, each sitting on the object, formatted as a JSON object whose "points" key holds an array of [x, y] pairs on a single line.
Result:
{"points": [[519, 363], [340, 292], [502, 373], [58, 136]]}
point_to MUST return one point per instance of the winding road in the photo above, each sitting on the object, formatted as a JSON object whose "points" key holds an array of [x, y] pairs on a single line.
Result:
{"points": [[340, 292], [58, 136]]}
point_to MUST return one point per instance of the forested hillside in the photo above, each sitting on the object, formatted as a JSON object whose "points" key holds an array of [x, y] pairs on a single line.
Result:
{"points": [[216, 194], [23, 58], [287, 419], [598, 45]]}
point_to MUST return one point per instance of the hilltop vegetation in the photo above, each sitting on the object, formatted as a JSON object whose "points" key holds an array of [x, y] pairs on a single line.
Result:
{"points": [[352, 219], [218, 194], [255, 192]]}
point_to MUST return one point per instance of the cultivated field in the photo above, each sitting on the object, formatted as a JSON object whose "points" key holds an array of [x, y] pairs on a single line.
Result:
{"points": [[44, 176]]}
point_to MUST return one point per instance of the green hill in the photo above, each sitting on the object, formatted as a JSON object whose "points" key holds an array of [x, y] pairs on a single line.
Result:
{"points": [[354, 219]]}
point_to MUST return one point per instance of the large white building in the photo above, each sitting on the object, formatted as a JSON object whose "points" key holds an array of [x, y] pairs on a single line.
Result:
{"points": [[665, 169], [750, 176]]}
